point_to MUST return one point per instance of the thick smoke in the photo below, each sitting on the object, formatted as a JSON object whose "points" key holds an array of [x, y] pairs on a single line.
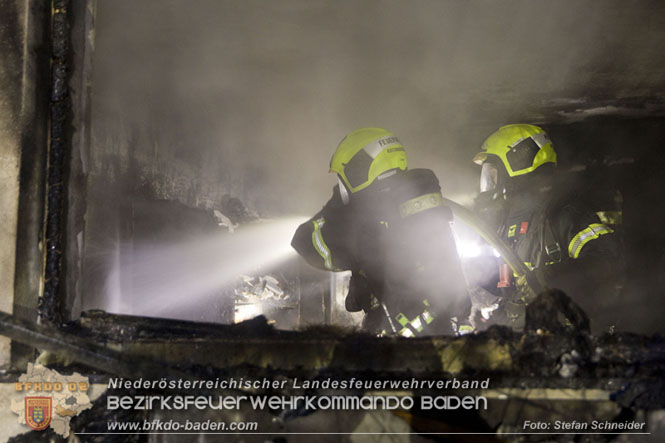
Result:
{"points": [[257, 94], [197, 101]]}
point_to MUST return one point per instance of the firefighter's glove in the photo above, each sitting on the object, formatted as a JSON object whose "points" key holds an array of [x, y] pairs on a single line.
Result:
{"points": [[360, 297], [524, 293]]}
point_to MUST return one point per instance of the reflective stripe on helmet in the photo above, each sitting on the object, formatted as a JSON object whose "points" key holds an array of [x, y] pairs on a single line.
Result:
{"points": [[583, 237], [419, 204], [320, 245], [374, 148], [541, 139]]}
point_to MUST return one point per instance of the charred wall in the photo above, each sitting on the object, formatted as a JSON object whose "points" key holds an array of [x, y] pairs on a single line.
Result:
{"points": [[24, 78]]}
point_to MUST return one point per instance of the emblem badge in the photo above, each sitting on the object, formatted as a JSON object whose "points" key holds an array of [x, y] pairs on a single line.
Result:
{"points": [[38, 412]]}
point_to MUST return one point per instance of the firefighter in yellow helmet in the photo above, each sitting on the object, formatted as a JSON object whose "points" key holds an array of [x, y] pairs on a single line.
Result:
{"points": [[553, 232], [388, 225]]}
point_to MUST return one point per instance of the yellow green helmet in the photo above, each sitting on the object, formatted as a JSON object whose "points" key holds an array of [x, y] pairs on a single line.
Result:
{"points": [[365, 154], [522, 148]]}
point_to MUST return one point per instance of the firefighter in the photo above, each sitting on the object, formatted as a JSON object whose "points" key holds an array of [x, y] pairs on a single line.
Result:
{"points": [[387, 224], [555, 234]]}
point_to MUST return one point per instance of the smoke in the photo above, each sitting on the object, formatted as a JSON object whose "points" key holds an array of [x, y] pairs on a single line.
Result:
{"points": [[199, 99], [259, 93]]}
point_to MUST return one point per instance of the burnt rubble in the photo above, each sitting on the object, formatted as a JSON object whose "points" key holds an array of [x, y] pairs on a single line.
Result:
{"points": [[530, 360], [539, 373]]}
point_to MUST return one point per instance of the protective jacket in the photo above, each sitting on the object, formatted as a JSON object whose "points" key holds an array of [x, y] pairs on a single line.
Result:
{"points": [[396, 239], [568, 247]]}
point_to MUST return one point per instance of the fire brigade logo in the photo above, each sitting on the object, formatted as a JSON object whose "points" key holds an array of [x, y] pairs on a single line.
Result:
{"points": [[43, 398], [38, 412]]}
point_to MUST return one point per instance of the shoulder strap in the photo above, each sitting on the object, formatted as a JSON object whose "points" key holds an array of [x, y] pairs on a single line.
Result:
{"points": [[540, 223], [549, 250], [551, 244]]}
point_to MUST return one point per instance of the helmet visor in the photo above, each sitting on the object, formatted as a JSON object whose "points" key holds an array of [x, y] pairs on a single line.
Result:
{"points": [[489, 177], [343, 192]]}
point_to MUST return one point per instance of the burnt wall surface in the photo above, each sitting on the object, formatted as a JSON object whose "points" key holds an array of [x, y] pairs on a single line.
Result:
{"points": [[57, 171], [10, 105], [24, 76]]}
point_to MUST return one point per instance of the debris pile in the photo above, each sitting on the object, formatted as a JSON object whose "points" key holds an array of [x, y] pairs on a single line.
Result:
{"points": [[261, 295]]}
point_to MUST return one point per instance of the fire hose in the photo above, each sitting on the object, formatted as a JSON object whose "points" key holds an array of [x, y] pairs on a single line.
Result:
{"points": [[532, 280]]}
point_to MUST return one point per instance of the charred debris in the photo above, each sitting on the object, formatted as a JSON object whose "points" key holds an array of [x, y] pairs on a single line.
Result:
{"points": [[545, 371]]}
